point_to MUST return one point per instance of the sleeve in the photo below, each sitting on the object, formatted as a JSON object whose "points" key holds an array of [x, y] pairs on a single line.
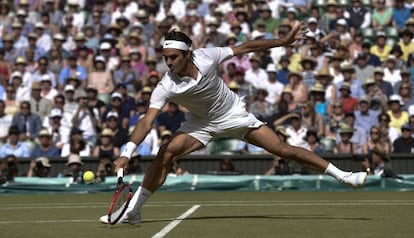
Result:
{"points": [[216, 54], [159, 96]]}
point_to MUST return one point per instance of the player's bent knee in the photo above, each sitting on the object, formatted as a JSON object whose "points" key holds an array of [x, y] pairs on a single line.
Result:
{"points": [[166, 155]]}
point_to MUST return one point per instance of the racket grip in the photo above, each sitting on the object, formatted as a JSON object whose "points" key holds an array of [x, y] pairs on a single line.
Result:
{"points": [[120, 173]]}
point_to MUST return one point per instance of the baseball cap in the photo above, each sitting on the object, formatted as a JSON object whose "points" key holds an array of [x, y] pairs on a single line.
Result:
{"points": [[59, 36], [105, 46], [69, 87], [112, 114], [341, 22], [271, 68], [396, 98], [16, 74], [312, 20], [45, 77], [116, 95], [39, 25], [76, 130], [44, 161], [55, 112], [100, 58]]}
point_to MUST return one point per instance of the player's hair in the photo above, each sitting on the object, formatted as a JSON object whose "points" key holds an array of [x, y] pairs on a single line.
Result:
{"points": [[179, 36]]}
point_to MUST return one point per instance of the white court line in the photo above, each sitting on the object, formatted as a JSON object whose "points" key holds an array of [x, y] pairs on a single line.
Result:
{"points": [[176, 221], [235, 204]]}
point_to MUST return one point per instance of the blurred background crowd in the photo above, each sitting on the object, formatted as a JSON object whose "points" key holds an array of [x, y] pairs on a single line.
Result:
{"points": [[76, 75]]}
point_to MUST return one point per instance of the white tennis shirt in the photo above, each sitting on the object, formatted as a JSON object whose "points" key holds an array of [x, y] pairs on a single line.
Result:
{"points": [[207, 97]]}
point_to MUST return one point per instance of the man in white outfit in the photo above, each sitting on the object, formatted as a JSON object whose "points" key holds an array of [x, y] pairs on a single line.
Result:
{"points": [[214, 111]]}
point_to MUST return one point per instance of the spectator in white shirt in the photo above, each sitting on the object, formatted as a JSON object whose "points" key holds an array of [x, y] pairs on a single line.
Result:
{"points": [[44, 40]]}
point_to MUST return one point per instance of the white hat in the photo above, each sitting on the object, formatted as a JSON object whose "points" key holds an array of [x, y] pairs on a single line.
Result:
{"points": [[141, 13], [292, 9], [212, 21], [310, 34], [271, 68], [21, 12], [192, 12], [16, 74], [341, 22], [112, 114], [79, 36], [105, 46], [312, 19], [100, 58], [116, 95], [396, 98], [256, 34], [44, 161], [411, 110], [58, 36], [55, 112], [45, 77], [73, 2], [44, 132], [69, 87], [74, 159], [39, 25]]}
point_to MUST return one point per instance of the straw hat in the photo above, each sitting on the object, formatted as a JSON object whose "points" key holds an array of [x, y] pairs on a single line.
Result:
{"points": [[74, 159], [324, 72], [318, 88], [107, 132]]}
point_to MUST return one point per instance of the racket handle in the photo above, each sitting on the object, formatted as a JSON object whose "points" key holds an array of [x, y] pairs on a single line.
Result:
{"points": [[120, 173]]}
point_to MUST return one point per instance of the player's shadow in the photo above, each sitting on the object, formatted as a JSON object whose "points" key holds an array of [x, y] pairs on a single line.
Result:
{"points": [[266, 217]]}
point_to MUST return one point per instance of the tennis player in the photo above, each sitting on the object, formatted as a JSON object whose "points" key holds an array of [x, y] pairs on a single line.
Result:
{"points": [[215, 111]]}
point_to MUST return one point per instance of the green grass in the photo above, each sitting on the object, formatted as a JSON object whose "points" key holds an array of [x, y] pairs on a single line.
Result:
{"points": [[224, 214]]}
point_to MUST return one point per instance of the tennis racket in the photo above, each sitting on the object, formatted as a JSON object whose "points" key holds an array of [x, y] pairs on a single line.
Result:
{"points": [[120, 200]]}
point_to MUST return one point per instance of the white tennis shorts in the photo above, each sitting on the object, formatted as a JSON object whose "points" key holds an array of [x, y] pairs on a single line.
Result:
{"points": [[234, 124]]}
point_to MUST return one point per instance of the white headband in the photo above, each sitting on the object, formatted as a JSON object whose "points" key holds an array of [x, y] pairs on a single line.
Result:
{"points": [[175, 44]]}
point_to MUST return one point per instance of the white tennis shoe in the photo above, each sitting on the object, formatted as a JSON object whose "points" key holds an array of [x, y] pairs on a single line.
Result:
{"points": [[127, 218], [354, 180]]}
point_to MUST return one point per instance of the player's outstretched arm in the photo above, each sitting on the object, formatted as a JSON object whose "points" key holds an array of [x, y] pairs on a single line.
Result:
{"points": [[141, 130], [297, 33]]}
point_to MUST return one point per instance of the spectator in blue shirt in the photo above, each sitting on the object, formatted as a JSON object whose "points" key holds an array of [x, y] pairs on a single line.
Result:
{"points": [[14, 146], [73, 69], [365, 117], [45, 148], [400, 14]]}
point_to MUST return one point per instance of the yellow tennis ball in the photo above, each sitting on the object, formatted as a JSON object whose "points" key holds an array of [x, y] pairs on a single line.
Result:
{"points": [[88, 177]]}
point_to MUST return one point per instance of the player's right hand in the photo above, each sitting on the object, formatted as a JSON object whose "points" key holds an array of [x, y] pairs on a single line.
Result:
{"points": [[121, 162]]}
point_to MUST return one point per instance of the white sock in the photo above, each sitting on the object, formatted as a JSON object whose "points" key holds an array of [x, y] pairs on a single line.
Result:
{"points": [[138, 200], [335, 172]]}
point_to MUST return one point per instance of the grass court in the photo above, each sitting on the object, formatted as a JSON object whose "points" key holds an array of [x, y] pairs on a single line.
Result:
{"points": [[215, 214]]}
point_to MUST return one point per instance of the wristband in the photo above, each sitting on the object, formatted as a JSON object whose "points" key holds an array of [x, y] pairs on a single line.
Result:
{"points": [[130, 148]]}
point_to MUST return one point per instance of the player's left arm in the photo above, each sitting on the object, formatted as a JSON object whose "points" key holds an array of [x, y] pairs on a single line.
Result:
{"points": [[297, 33]]}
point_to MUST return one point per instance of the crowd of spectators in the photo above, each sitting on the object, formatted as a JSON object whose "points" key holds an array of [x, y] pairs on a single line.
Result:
{"points": [[75, 75]]}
